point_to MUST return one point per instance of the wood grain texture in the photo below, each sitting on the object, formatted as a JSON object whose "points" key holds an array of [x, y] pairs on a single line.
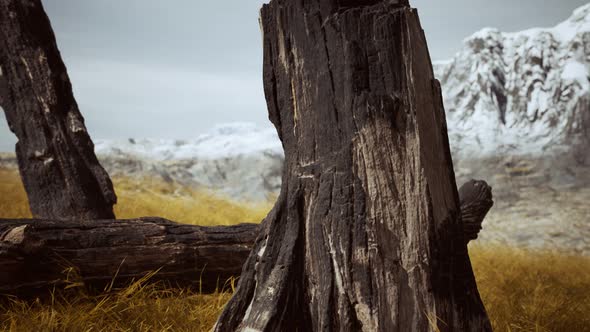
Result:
{"points": [[59, 169], [476, 201], [366, 233], [34, 253]]}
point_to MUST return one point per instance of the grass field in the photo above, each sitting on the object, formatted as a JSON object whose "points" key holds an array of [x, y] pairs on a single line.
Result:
{"points": [[147, 197], [522, 290]]}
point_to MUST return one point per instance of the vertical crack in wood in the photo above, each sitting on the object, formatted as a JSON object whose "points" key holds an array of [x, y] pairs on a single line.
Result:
{"points": [[369, 236]]}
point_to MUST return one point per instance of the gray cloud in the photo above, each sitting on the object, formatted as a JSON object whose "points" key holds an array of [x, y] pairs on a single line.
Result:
{"points": [[172, 69]]}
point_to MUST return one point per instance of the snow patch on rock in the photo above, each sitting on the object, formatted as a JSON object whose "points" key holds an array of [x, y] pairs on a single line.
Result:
{"points": [[223, 141], [519, 93]]}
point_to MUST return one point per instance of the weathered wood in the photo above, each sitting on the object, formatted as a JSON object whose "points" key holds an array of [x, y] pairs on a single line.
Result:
{"points": [[60, 172], [366, 233], [34, 253], [476, 202]]}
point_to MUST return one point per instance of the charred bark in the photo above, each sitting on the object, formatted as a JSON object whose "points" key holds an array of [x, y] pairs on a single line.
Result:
{"points": [[366, 233], [59, 169], [476, 201], [35, 253]]}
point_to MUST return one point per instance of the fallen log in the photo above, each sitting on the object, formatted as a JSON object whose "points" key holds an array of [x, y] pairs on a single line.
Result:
{"points": [[35, 253]]}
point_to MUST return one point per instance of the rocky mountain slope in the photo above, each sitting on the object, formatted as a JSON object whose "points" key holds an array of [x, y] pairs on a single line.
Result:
{"points": [[521, 93], [239, 160], [518, 113]]}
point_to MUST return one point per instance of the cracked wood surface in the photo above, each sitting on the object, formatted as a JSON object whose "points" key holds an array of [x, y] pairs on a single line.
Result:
{"points": [[366, 233], [35, 253], [56, 159]]}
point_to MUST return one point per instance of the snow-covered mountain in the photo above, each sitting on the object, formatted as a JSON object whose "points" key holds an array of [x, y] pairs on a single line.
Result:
{"points": [[238, 160], [223, 141], [522, 93]]}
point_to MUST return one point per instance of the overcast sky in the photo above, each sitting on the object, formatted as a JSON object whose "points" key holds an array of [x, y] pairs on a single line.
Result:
{"points": [[173, 69]]}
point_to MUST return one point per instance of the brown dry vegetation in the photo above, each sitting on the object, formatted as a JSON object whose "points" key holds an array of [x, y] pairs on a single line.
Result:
{"points": [[142, 197], [533, 291], [522, 290]]}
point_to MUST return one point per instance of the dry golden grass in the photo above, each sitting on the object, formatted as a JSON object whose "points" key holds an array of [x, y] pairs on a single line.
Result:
{"points": [[141, 197], [153, 197], [533, 291], [13, 198], [522, 290], [139, 307]]}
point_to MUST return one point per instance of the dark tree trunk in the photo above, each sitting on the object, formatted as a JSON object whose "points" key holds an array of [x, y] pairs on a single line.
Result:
{"points": [[60, 172], [34, 253], [366, 234]]}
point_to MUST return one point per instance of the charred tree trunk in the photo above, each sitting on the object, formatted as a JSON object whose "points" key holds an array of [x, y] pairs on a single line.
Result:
{"points": [[60, 172], [366, 234], [35, 253]]}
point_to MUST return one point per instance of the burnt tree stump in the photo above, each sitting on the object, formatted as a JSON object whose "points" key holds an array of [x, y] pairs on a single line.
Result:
{"points": [[56, 159], [366, 234]]}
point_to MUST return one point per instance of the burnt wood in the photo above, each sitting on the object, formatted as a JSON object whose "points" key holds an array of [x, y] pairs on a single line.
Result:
{"points": [[60, 172], [35, 253], [476, 200], [366, 234]]}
